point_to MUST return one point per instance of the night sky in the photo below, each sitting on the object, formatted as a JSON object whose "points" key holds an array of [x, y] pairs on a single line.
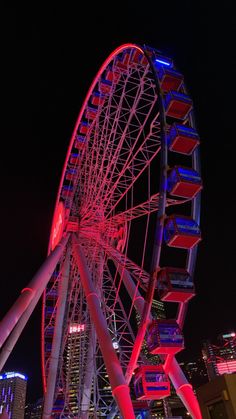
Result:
{"points": [[49, 56]]}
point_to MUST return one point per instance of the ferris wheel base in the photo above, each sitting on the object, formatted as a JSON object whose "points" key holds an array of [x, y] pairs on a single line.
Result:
{"points": [[122, 395], [186, 394]]}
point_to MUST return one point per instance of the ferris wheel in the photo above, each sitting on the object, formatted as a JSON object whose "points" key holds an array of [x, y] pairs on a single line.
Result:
{"points": [[125, 233]]}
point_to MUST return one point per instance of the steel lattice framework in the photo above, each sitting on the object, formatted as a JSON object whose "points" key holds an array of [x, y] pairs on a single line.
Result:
{"points": [[106, 244]]}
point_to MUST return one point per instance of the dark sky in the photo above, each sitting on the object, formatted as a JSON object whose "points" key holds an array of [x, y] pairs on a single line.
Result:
{"points": [[49, 56]]}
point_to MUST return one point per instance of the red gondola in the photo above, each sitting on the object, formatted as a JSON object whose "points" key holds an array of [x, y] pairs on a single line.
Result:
{"points": [[181, 231], [151, 383], [175, 285], [164, 337], [184, 182], [177, 105], [169, 79], [182, 139]]}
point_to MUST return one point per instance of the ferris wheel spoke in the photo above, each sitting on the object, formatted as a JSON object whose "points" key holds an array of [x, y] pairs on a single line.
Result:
{"points": [[118, 323], [126, 137], [136, 271], [118, 122], [104, 143], [109, 225]]}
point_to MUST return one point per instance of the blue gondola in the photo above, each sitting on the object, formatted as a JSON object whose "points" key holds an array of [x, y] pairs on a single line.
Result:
{"points": [[105, 86], [169, 79], [184, 182], [181, 231], [164, 337], [123, 61], [112, 75], [97, 99], [175, 285], [151, 383], [48, 347], [71, 174], [177, 105], [67, 191], [49, 331], [52, 294], [74, 158], [182, 139], [83, 128], [91, 113]]}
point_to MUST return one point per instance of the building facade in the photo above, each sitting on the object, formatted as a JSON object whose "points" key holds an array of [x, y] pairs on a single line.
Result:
{"points": [[12, 394], [220, 357]]}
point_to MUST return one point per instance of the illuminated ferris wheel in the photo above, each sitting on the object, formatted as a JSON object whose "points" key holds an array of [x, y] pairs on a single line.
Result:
{"points": [[125, 232]]}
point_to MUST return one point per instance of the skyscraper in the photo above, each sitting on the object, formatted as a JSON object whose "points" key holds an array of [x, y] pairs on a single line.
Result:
{"points": [[12, 394], [195, 371], [220, 358]]}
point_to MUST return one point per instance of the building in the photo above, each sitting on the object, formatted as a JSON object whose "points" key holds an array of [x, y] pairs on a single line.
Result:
{"points": [[13, 393], [220, 357], [217, 398], [195, 372], [34, 410]]}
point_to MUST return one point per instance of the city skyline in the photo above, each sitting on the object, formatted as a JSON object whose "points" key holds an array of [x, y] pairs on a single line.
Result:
{"points": [[44, 92]]}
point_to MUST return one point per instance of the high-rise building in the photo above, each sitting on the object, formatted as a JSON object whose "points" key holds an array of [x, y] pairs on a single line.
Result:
{"points": [[12, 394], [34, 410], [76, 337], [220, 358], [195, 371]]}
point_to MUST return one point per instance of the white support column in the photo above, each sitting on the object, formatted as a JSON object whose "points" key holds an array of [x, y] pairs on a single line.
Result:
{"points": [[23, 319], [57, 336], [180, 383], [120, 389], [15, 334], [39, 281]]}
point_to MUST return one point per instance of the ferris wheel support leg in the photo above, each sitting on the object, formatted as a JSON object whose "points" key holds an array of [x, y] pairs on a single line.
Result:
{"points": [[132, 290], [171, 366], [120, 389], [184, 389], [56, 343], [39, 281], [15, 334]]}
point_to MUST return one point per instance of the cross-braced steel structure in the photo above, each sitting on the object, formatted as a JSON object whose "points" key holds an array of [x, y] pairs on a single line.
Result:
{"points": [[111, 236]]}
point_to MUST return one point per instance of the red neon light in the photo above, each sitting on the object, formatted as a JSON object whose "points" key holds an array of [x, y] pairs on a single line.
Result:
{"points": [[77, 328], [26, 289], [58, 225], [227, 367]]}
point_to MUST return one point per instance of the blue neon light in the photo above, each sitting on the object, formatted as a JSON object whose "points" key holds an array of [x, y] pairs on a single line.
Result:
{"points": [[162, 62], [12, 375]]}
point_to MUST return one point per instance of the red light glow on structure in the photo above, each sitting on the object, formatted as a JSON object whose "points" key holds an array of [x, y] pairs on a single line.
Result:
{"points": [[77, 328], [227, 367], [58, 225]]}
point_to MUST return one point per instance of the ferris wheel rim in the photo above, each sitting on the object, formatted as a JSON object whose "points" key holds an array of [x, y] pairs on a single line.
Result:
{"points": [[79, 118], [88, 95]]}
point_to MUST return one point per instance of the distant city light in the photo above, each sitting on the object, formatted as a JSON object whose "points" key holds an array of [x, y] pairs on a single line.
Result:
{"points": [[12, 375], [229, 335], [227, 367], [77, 328], [162, 62]]}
